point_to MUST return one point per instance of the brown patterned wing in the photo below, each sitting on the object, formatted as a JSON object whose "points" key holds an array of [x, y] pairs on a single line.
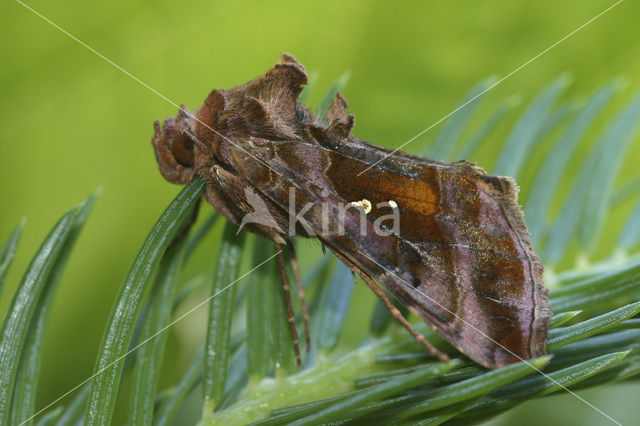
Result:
{"points": [[462, 259]]}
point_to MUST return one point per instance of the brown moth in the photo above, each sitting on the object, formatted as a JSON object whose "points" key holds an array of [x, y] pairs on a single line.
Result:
{"points": [[446, 239]]}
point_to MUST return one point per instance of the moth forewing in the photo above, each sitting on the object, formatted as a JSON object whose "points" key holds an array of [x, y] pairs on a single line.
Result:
{"points": [[457, 251]]}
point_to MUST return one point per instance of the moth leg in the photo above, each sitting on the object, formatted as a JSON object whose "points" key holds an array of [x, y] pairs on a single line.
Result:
{"points": [[395, 313], [287, 293], [303, 299]]}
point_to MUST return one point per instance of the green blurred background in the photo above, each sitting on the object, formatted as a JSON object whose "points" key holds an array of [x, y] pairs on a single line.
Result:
{"points": [[72, 122]]}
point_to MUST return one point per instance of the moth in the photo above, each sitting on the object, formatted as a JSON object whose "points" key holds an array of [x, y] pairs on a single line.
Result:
{"points": [[445, 239]]}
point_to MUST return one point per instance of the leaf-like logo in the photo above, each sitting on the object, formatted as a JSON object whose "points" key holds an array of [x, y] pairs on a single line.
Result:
{"points": [[260, 215]]}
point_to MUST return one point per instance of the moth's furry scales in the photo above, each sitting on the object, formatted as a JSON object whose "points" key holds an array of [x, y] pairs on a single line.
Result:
{"points": [[463, 259]]}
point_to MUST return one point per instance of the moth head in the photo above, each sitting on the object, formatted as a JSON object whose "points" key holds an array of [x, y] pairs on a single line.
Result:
{"points": [[174, 147]]}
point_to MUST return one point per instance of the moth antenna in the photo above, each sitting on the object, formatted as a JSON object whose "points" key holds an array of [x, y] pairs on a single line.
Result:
{"points": [[397, 315], [287, 294], [303, 299], [197, 141]]}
